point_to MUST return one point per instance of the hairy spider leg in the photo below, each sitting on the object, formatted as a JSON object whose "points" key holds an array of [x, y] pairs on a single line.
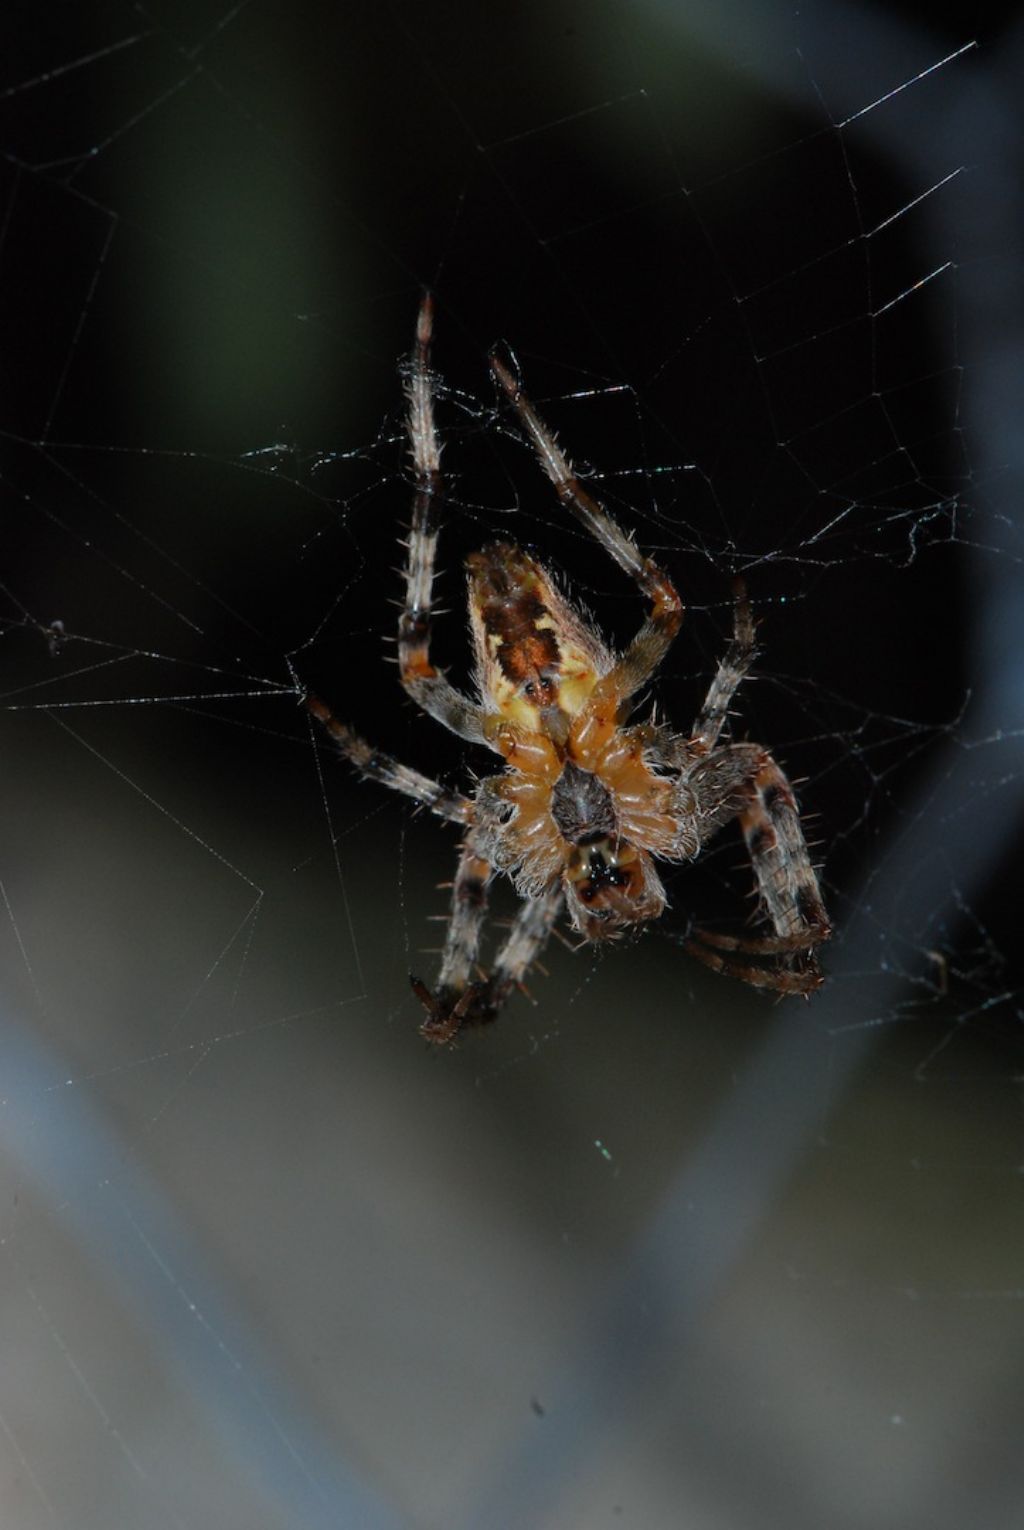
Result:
{"points": [[530, 932], [775, 841], [446, 1008], [781, 980], [483, 1000], [634, 669], [375, 765], [788, 887], [423, 682], [732, 670], [454, 1003]]}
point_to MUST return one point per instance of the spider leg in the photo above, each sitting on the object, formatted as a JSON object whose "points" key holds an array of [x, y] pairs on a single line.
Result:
{"points": [[482, 1001], [423, 682], [383, 768], [762, 945], [717, 788], [732, 668], [743, 781], [636, 666], [530, 932], [447, 1009], [778, 851], [781, 979]]}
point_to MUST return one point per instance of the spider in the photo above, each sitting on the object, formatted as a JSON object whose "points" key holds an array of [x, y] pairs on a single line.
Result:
{"points": [[587, 802]]}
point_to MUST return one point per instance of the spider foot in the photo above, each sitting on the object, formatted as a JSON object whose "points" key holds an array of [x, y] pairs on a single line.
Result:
{"points": [[449, 1010]]}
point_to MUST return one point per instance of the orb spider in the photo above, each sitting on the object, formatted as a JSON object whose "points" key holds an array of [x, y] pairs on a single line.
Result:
{"points": [[587, 802]]}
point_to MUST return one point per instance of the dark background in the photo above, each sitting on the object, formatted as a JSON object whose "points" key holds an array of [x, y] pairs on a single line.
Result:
{"points": [[655, 1250]]}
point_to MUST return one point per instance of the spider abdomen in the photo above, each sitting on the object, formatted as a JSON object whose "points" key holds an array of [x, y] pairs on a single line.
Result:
{"points": [[537, 663]]}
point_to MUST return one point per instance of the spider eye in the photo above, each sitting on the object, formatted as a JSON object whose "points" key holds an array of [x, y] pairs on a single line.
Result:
{"points": [[596, 870], [610, 885], [539, 690]]}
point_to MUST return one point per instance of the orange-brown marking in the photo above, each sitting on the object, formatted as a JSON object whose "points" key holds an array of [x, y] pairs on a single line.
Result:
{"points": [[535, 659]]}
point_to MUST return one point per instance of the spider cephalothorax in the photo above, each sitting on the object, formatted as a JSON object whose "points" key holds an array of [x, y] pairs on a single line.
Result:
{"points": [[586, 802]]}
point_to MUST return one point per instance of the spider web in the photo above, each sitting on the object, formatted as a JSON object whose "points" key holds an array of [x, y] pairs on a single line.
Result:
{"points": [[654, 1251]]}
